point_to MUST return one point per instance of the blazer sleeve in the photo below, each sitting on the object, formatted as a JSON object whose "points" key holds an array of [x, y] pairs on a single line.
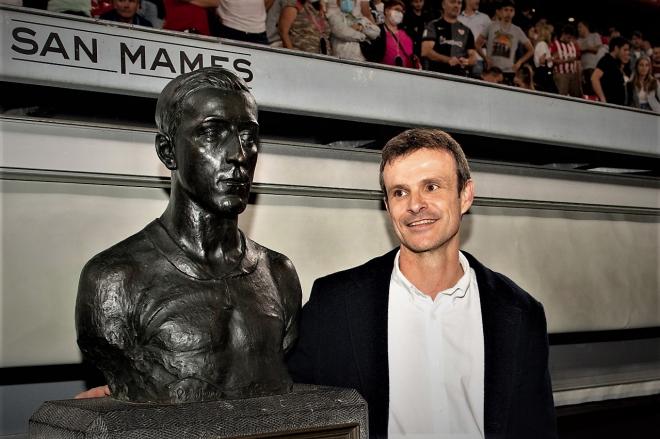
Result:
{"points": [[301, 360], [536, 409]]}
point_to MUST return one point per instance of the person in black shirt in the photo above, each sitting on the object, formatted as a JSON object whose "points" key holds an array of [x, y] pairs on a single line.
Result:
{"points": [[607, 79], [414, 23], [125, 11], [447, 44]]}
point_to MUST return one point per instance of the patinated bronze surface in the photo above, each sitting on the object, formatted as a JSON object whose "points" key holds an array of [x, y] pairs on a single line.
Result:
{"points": [[189, 308]]}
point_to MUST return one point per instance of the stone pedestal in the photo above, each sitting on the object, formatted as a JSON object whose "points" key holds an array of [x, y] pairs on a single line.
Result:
{"points": [[307, 412]]}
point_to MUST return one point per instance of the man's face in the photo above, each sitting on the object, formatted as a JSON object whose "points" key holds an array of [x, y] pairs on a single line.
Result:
{"points": [[636, 42], [583, 31], [473, 4], [126, 8], [495, 78], [423, 200], [417, 5], [506, 14], [623, 53], [656, 55], [451, 8], [216, 147]]}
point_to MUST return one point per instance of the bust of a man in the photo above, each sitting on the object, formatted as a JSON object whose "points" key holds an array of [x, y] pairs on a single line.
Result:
{"points": [[189, 308]]}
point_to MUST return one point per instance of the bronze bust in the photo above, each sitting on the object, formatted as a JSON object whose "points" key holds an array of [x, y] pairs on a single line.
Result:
{"points": [[189, 308]]}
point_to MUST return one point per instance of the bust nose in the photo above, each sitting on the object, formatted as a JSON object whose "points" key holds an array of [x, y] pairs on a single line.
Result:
{"points": [[235, 151]]}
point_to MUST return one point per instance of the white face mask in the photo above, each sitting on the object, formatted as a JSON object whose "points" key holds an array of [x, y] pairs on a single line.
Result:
{"points": [[396, 17]]}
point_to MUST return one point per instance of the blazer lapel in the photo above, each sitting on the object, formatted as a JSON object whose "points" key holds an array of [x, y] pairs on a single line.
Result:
{"points": [[501, 323], [366, 307]]}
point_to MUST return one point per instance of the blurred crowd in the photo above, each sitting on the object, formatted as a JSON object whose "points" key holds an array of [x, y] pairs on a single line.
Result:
{"points": [[507, 46]]}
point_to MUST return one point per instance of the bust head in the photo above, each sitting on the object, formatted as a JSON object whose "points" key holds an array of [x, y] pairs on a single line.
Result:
{"points": [[209, 138]]}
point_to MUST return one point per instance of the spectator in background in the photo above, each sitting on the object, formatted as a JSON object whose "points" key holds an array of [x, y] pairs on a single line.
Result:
{"points": [[398, 45], [190, 16], [243, 20], [303, 26], [154, 11], [414, 22], [125, 11], [73, 7], [448, 44], [656, 62], [543, 73], [493, 75], [273, 12], [478, 22], [347, 31], [502, 38], [636, 48], [524, 77], [607, 79], [642, 89], [566, 63], [374, 10], [591, 49]]}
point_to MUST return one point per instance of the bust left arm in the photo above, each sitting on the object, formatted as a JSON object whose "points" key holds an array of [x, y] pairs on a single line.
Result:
{"points": [[288, 285]]}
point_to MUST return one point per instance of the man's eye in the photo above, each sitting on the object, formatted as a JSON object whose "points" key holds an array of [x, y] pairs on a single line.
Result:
{"points": [[432, 187], [398, 193]]}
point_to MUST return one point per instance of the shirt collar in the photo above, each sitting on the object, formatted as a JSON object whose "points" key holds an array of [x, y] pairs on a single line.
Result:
{"points": [[459, 290], [163, 242]]}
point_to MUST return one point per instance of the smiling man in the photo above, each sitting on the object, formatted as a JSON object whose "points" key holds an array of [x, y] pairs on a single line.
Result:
{"points": [[189, 308], [439, 345]]}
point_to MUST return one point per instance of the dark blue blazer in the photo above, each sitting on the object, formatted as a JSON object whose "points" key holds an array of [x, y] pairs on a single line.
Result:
{"points": [[343, 342]]}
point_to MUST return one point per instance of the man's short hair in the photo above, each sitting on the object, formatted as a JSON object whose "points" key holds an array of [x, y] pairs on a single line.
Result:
{"points": [[415, 139], [506, 4], [618, 42], [170, 102], [493, 70], [569, 29]]}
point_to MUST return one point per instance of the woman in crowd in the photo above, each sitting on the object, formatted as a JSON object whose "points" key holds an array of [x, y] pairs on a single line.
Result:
{"points": [[347, 31], [303, 26], [398, 45], [642, 89], [524, 77], [543, 59]]}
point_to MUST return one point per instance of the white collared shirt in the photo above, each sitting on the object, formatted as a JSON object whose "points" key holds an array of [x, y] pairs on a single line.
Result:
{"points": [[436, 359]]}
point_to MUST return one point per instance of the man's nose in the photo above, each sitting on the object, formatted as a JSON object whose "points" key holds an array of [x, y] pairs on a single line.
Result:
{"points": [[416, 202]]}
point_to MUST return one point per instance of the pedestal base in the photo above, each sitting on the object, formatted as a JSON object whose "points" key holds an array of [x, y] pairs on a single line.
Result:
{"points": [[307, 412]]}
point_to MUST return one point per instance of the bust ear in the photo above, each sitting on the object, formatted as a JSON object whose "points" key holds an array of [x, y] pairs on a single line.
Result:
{"points": [[165, 151]]}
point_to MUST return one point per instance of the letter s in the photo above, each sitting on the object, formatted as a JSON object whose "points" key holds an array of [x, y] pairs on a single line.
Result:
{"points": [[16, 33], [247, 71]]}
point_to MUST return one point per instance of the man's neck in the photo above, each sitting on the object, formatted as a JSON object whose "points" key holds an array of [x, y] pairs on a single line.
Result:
{"points": [[469, 12], [211, 240], [449, 19], [431, 272]]}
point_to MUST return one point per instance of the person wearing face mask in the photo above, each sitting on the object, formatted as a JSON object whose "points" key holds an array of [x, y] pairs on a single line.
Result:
{"points": [[398, 45], [303, 26], [347, 31]]}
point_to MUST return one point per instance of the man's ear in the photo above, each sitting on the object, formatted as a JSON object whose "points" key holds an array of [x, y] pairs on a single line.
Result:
{"points": [[165, 151], [467, 196]]}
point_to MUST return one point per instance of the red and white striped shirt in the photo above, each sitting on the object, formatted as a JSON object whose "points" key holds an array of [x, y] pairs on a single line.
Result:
{"points": [[565, 51]]}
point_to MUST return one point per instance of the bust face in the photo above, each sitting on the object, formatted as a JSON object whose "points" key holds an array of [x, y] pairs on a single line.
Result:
{"points": [[216, 147]]}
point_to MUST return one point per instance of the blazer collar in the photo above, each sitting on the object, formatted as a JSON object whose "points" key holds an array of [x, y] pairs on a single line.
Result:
{"points": [[501, 326], [367, 308]]}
